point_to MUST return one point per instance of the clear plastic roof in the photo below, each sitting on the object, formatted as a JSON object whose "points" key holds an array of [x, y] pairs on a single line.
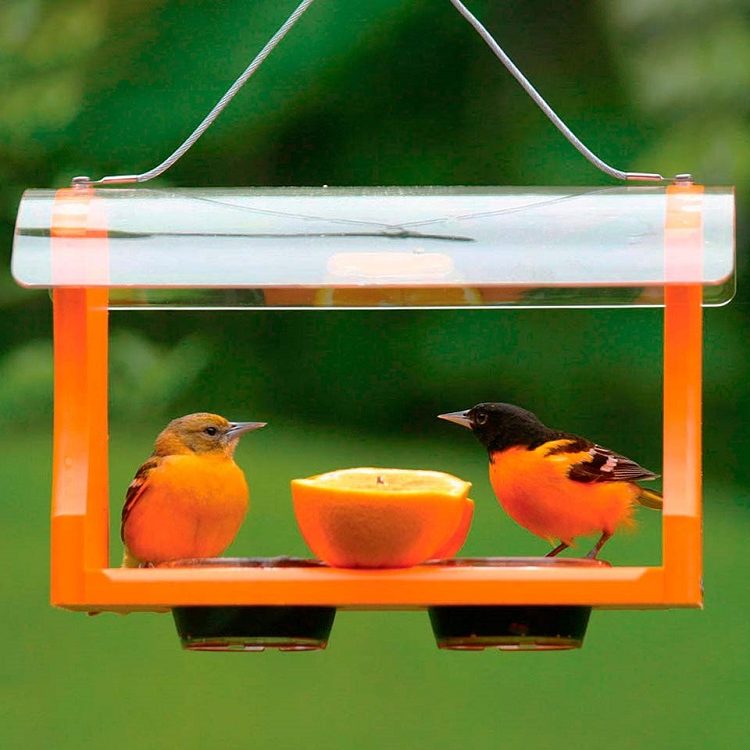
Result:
{"points": [[372, 247]]}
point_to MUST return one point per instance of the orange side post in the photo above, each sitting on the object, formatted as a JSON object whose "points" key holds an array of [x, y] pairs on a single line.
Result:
{"points": [[80, 512], [683, 350], [81, 578]]}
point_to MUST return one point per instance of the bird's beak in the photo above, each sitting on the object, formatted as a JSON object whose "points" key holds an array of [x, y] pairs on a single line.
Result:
{"points": [[459, 417], [240, 428]]}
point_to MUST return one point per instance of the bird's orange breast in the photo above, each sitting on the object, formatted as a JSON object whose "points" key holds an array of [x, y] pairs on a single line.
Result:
{"points": [[535, 491], [190, 506]]}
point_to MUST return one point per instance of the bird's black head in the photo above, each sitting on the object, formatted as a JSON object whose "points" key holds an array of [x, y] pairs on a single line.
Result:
{"points": [[501, 426]]}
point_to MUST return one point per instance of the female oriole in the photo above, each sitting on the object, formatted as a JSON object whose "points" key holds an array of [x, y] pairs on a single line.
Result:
{"points": [[189, 498], [557, 485]]}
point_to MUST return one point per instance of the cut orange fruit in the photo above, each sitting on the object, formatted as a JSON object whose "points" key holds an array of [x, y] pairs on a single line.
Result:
{"points": [[290, 296], [397, 296], [382, 518], [502, 294], [372, 296], [454, 544], [381, 279]]}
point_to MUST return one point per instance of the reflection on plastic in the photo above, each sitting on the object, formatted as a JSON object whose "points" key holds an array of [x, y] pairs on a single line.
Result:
{"points": [[376, 247]]}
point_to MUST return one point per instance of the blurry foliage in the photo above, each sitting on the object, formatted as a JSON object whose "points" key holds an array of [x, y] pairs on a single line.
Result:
{"points": [[45, 79], [26, 383], [383, 92], [145, 378], [687, 67]]}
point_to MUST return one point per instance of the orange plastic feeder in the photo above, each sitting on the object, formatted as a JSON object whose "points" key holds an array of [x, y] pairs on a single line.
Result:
{"points": [[295, 248], [667, 247]]}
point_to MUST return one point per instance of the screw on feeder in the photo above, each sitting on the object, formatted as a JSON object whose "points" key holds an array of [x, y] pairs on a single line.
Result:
{"points": [[83, 181], [683, 179]]}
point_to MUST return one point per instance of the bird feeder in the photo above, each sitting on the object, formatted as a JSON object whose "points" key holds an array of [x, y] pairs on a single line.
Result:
{"points": [[501, 248], [98, 248]]}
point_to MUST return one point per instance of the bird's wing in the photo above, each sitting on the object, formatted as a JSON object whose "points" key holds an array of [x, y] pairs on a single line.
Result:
{"points": [[135, 490], [601, 464]]}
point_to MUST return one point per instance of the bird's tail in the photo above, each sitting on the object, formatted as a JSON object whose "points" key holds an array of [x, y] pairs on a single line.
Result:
{"points": [[128, 561], [649, 498]]}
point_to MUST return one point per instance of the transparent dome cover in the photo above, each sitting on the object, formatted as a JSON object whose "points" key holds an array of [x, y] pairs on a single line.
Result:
{"points": [[379, 247]]}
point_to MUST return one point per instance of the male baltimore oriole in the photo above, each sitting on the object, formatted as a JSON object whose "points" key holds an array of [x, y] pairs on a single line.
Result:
{"points": [[557, 485], [189, 498]]}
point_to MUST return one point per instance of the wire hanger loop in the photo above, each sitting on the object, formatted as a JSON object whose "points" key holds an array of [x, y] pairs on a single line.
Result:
{"points": [[259, 59]]}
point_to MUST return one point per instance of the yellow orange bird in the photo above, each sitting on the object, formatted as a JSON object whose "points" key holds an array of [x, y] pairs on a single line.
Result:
{"points": [[189, 498], [557, 485]]}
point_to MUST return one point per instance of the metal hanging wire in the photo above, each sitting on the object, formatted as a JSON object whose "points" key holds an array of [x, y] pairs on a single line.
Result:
{"points": [[551, 114], [208, 120]]}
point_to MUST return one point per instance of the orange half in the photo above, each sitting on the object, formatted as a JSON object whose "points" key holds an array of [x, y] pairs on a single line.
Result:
{"points": [[454, 544], [382, 518]]}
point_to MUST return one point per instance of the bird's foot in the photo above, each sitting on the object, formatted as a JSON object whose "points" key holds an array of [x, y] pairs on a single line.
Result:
{"points": [[555, 552], [592, 555]]}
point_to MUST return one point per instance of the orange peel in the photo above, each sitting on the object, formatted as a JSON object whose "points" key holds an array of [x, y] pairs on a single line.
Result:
{"points": [[370, 517]]}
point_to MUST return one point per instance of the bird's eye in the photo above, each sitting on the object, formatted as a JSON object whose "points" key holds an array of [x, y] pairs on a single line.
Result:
{"points": [[211, 431], [480, 418]]}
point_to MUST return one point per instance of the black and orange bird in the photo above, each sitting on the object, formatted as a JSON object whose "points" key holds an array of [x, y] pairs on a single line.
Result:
{"points": [[557, 485], [189, 498]]}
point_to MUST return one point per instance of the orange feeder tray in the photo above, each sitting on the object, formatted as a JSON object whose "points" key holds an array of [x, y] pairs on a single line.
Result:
{"points": [[461, 247]]}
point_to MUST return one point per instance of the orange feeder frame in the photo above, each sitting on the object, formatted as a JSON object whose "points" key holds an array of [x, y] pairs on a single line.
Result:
{"points": [[81, 578]]}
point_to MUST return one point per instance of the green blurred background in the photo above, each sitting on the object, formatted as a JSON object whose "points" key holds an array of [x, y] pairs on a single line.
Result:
{"points": [[373, 93]]}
